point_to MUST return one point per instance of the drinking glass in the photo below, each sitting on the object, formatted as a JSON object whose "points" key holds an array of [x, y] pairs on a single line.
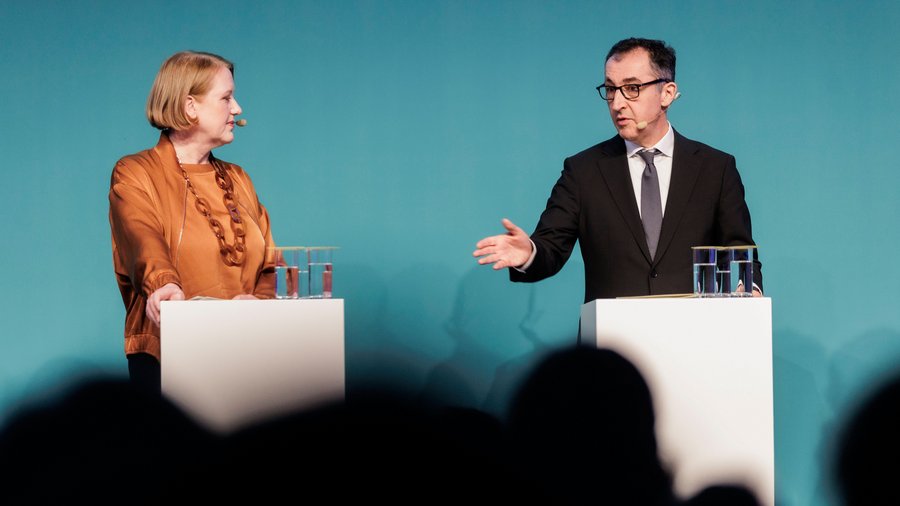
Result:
{"points": [[705, 258], [291, 271], [741, 261], [723, 272], [321, 271]]}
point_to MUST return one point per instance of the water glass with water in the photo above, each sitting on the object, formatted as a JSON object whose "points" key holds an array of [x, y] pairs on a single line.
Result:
{"points": [[723, 272], [705, 262], [741, 260], [291, 271], [321, 272]]}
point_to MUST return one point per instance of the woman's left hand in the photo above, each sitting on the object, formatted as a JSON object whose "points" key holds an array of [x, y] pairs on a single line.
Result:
{"points": [[244, 296]]}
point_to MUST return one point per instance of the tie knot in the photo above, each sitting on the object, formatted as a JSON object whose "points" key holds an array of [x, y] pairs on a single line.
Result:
{"points": [[647, 155]]}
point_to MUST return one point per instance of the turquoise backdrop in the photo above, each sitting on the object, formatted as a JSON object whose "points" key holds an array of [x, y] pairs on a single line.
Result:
{"points": [[404, 131]]}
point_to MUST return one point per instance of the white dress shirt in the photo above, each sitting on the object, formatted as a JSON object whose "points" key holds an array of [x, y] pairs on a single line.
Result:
{"points": [[662, 161]]}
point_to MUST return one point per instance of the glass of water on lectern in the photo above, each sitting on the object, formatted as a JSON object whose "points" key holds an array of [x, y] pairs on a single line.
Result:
{"points": [[291, 274], [741, 259], [705, 261], [321, 272]]}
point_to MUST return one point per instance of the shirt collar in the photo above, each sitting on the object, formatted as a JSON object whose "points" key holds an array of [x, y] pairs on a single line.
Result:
{"points": [[665, 146]]}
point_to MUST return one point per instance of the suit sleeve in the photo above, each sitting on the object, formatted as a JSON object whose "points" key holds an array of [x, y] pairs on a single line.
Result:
{"points": [[556, 231], [138, 236], [735, 227]]}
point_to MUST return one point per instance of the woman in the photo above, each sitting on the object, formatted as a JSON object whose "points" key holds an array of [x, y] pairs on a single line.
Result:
{"points": [[184, 223]]}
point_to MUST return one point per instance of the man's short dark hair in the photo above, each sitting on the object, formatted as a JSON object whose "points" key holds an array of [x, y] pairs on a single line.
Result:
{"points": [[662, 56]]}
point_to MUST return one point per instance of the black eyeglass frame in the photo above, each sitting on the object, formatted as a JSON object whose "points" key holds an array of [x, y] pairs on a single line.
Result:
{"points": [[636, 87]]}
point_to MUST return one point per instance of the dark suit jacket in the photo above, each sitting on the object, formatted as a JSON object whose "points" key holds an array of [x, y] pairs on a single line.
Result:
{"points": [[593, 202]]}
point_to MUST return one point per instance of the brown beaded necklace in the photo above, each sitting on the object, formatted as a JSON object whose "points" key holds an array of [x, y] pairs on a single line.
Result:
{"points": [[232, 254]]}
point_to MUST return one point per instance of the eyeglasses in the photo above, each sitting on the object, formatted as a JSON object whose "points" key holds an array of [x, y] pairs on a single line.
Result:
{"points": [[629, 91]]}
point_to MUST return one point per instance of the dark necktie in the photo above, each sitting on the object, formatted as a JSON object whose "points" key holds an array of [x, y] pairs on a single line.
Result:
{"points": [[651, 204]]}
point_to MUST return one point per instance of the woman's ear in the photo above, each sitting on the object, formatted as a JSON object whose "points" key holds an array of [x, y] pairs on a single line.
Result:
{"points": [[190, 107]]}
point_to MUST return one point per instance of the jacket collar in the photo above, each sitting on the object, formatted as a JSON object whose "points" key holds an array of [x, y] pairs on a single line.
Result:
{"points": [[685, 170]]}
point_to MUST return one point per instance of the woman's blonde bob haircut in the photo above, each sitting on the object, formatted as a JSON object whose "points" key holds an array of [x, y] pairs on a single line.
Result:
{"points": [[183, 74]]}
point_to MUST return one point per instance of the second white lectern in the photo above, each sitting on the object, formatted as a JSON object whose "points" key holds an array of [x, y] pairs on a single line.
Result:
{"points": [[708, 363], [231, 363]]}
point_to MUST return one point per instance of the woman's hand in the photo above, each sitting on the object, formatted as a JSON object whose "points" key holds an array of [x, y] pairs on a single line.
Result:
{"points": [[169, 291], [244, 296]]}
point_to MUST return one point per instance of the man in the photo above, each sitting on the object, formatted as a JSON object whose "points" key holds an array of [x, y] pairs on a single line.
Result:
{"points": [[636, 203]]}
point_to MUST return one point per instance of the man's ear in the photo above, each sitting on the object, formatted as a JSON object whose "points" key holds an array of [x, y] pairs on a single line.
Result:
{"points": [[669, 94]]}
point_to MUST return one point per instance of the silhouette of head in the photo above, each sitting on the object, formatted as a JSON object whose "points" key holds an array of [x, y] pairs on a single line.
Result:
{"points": [[723, 495], [91, 443], [583, 423], [869, 448]]}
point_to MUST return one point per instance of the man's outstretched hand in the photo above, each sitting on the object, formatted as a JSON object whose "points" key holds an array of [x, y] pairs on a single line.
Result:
{"points": [[511, 249]]}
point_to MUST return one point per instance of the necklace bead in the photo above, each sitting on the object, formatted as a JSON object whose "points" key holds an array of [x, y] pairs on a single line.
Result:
{"points": [[232, 254]]}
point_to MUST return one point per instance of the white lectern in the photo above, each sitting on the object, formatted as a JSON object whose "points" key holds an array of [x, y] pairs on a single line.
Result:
{"points": [[708, 363], [230, 363]]}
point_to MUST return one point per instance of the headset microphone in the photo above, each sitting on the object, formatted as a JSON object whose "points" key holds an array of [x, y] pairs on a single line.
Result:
{"points": [[643, 124], [241, 122]]}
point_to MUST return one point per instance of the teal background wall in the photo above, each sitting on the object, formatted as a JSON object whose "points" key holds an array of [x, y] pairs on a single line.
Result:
{"points": [[404, 131]]}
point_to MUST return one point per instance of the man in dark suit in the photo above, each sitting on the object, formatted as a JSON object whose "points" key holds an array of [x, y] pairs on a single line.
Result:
{"points": [[638, 202]]}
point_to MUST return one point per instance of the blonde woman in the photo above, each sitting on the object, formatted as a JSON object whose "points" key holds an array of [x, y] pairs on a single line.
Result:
{"points": [[184, 223]]}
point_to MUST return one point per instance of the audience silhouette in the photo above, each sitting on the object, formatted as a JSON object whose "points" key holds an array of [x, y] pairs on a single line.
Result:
{"points": [[723, 495], [868, 448], [375, 447], [580, 430], [582, 425], [104, 441]]}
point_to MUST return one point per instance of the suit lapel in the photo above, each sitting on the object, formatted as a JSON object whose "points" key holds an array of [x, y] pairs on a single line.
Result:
{"points": [[684, 176], [614, 170]]}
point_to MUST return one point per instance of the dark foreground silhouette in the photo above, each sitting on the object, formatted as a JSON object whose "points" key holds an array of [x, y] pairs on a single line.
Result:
{"points": [[867, 462], [103, 441], [580, 430]]}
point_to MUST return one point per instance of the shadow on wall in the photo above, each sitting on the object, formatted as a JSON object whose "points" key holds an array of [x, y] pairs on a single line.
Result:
{"points": [[799, 364], [491, 320], [384, 344], [816, 394], [376, 354]]}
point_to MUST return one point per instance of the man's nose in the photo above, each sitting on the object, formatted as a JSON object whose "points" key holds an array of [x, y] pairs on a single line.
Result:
{"points": [[618, 100]]}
